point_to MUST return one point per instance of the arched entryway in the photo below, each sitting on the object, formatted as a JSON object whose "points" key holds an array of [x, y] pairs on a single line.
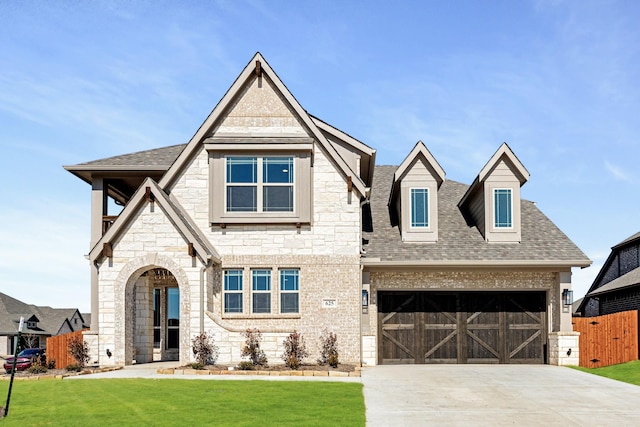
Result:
{"points": [[156, 312]]}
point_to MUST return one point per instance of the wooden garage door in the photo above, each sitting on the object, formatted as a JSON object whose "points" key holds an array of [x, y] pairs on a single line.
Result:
{"points": [[461, 327]]}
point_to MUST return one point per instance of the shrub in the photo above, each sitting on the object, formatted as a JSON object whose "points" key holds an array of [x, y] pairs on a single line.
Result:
{"points": [[197, 365], [295, 350], [74, 368], [204, 349], [51, 364], [252, 348], [79, 350], [246, 365], [37, 367], [328, 349]]}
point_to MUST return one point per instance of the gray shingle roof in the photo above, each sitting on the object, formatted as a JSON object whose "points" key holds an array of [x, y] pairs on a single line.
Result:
{"points": [[50, 320], [541, 239], [631, 278], [628, 240], [163, 156]]}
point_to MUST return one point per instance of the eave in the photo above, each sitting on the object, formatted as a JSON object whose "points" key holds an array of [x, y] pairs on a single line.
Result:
{"points": [[376, 263]]}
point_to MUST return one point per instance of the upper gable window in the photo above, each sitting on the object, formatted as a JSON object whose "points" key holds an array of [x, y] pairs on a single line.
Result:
{"points": [[260, 187], [419, 207], [503, 208], [259, 184]]}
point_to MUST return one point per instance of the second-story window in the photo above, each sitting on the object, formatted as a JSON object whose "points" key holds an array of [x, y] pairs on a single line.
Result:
{"points": [[419, 207], [259, 184], [502, 208]]}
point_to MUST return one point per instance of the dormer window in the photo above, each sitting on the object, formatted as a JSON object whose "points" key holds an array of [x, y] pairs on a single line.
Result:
{"points": [[32, 324], [503, 208], [259, 184], [419, 207]]}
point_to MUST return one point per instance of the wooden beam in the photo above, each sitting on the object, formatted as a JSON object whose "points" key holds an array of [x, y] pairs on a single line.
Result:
{"points": [[349, 184], [107, 250], [258, 69], [148, 195], [191, 250]]}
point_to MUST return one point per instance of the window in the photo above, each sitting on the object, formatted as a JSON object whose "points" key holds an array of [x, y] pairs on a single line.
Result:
{"points": [[233, 291], [289, 290], [419, 207], [259, 184], [261, 291], [156, 318], [502, 208], [173, 318], [32, 324]]}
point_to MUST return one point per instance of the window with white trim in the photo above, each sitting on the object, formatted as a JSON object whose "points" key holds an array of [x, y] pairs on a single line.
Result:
{"points": [[233, 291], [259, 184], [502, 208], [261, 291], [419, 207], [289, 291]]}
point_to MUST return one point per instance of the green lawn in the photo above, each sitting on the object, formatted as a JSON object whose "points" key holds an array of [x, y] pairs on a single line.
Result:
{"points": [[166, 402], [628, 372]]}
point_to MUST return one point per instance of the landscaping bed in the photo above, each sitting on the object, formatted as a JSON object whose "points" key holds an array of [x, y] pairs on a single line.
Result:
{"points": [[304, 370]]}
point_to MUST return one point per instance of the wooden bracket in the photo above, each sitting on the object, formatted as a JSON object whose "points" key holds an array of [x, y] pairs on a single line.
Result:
{"points": [[191, 250], [148, 195], [223, 225], [107, 250], [298, 225], [258, 69], [349, 184]]}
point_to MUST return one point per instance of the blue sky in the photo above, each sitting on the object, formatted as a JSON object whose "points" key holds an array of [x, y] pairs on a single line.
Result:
{"points": [[557, 80]]}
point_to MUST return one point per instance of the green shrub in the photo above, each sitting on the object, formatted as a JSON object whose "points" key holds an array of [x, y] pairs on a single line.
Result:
{"points": [[51, 364], [37, 368], [74, 367], [196, 365], [246, 365]]}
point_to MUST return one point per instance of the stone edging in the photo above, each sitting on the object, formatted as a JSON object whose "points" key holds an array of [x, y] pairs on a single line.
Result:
{"points": [[60, 376], [189, 371]]}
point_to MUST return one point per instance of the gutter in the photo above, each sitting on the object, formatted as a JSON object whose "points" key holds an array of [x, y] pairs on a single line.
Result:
{"points": [[376, 262]]}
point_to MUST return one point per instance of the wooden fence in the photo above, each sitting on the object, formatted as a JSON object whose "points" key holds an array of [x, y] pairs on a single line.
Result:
{"points": [[607, 340], [58, 349]]}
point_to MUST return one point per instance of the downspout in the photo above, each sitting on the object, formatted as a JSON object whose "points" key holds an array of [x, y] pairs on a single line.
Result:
{"points": [[202, 271]]}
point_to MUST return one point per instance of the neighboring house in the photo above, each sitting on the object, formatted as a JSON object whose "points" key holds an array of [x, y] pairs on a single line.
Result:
{"points": [[270, 218], [617, 285], [39, 323]]}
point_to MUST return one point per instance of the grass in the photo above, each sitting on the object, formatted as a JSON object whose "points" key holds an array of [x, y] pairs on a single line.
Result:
{"points": [[627, 372], [121, 402]]}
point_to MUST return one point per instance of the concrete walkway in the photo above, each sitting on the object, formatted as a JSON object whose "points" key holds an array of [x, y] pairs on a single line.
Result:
{"points": [[496, 395]]}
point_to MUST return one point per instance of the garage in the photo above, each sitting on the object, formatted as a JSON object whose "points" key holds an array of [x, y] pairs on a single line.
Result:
{"points": [[461, 327]]}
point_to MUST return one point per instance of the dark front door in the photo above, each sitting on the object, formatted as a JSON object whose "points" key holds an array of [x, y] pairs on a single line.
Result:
{"points": [[461, 327]]}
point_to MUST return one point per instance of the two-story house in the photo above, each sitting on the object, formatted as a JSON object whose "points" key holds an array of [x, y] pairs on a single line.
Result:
{"points": [[270, 218], [617, 286]]}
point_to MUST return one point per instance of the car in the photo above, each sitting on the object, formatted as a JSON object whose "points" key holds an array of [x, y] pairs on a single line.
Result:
{"points": [[25, 359]]}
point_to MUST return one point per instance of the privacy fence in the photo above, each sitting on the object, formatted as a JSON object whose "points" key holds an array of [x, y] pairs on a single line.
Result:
{"points": [[58, 349], [608, 340]]}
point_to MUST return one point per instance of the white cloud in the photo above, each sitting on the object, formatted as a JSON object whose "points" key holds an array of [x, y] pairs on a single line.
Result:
{"points": [[618, 173]]}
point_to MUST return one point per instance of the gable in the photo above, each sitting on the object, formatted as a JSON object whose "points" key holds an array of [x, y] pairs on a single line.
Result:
{"points": [[259, 110]]}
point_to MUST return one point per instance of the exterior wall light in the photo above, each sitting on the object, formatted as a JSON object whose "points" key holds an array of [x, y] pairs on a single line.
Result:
{"points": [[567, 297], [365, 301]]}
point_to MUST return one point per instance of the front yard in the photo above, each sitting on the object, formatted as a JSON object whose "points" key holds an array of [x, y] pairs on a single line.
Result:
{"points": [[627, 372], [119, 402]]}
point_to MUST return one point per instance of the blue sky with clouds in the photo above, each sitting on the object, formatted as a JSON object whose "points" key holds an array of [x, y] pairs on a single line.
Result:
{"points": [[557, 80]]}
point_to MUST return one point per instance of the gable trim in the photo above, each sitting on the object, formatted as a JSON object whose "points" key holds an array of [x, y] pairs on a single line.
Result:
{"points": [[229, 96], [204, 250]]}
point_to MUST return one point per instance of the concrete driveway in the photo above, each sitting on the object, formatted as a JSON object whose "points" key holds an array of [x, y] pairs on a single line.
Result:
{"points": [[496, 395]]}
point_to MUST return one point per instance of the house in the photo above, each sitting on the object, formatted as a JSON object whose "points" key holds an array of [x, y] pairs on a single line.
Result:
{"points": [[39, 323], [617, 285], [271, 218]]}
